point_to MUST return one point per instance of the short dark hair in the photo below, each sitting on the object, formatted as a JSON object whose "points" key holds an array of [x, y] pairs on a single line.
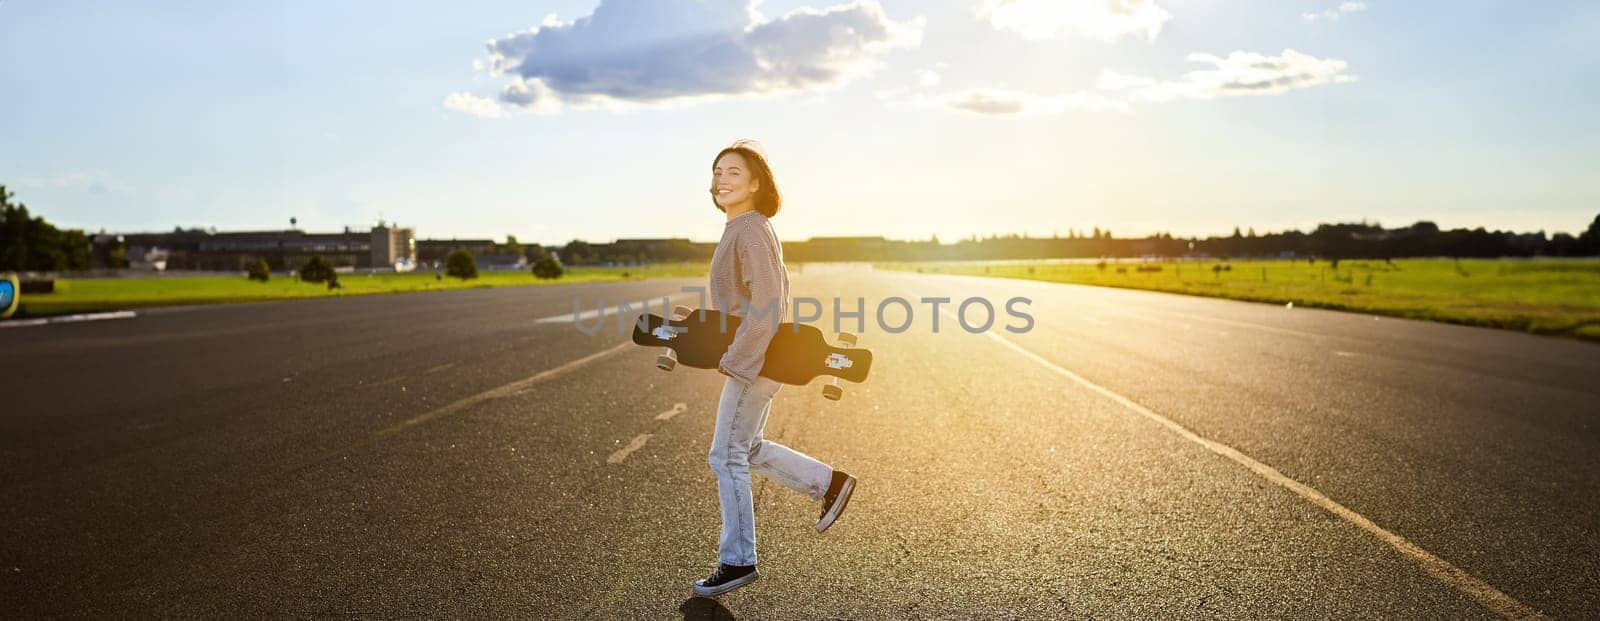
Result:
{"points": [[768, 199]]}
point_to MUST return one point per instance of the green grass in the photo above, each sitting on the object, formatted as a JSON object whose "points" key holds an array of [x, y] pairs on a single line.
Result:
{"points": [[101, 294], [1559, 297]]}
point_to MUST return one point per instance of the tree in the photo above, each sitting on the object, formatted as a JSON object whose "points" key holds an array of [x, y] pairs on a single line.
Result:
{"points": [[259, 271], [546, 268], [577, 252], [117, 256], [1562, 245], [534, 251], [29, 243], [1589, 241], [75, 250], [460, 264], [317, 269], [510, 247]]}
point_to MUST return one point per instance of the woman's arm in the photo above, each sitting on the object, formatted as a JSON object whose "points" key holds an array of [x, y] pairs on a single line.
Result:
{"points": [[763, 272]]}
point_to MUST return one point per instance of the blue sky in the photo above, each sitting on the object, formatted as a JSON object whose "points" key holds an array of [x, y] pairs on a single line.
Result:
{"points": [[904, 119]]}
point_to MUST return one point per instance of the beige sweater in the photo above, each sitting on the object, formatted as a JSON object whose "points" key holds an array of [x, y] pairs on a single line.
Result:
{"points": [[748, 280]]}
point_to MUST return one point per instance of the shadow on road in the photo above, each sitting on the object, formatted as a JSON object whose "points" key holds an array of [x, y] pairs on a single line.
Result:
{"points": [[704, 609]]}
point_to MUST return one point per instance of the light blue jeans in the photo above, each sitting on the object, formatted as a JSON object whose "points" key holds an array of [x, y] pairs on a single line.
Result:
{"points": [[737, 449]]}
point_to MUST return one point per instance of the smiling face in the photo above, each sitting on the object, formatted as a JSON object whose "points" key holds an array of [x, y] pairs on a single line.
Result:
{"points": [[732, 182]]}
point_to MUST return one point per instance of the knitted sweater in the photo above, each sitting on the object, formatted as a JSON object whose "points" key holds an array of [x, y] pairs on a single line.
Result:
{"points": [[748, 280]]}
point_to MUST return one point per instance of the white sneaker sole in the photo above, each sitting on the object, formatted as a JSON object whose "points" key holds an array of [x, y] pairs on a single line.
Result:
{"points": [[845, 490], [703, 591]]}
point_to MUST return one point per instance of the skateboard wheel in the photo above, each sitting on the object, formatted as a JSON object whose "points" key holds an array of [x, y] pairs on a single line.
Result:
{"points": [[666, 362], [680, 311], [832, 393], [848, 339]]}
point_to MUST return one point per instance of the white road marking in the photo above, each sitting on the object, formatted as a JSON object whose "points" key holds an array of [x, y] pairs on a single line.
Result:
{"points": [[504, 391], [20, 323], [1247, 324], [591, 314], [1442, 570], [622, 453], [677, 408]]}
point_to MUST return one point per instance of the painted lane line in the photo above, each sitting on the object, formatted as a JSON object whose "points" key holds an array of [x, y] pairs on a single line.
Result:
{"points": [[1250, 325], [677, 408], [1442, 570], [591, 314], [94, 317], [504, 391], [20, 323], [622, 453], [639, 441]]}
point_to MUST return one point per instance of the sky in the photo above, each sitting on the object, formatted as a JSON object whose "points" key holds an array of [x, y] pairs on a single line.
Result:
{"points": [[908, 119]]}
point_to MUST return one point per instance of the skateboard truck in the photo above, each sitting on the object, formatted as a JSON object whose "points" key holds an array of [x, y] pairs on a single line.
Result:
{"points": [[668, 360], [834, 389]]}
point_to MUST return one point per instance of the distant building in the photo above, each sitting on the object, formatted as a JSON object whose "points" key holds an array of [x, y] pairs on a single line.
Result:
{"points": [[630, 251], [500, 261], [199, 249], [841, 249], [434, 251], [392, 244]]}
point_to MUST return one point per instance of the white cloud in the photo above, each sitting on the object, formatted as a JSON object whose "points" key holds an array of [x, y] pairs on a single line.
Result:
{"points": [[1112, 81], [632, 53], [931, 76], [1002, 102], [92, 183], [1334, 13], [1106, 20], [474, 105], [1240, 73]]}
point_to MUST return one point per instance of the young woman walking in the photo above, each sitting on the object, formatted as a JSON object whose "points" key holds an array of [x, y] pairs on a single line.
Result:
{"points": [[749, 280]]}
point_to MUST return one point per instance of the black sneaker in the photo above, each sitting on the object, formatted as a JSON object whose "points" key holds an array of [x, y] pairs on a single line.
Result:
{"points": [[726, 578], [834, 501]]}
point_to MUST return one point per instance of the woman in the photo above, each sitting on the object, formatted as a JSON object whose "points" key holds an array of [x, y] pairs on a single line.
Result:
{"points": [[748, 280]]}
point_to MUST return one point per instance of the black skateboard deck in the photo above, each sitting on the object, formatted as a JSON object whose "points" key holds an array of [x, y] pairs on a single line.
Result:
{"points": [[797, 354]]}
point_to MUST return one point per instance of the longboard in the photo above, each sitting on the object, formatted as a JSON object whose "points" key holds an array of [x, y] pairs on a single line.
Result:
{"points": [[797, 354]]}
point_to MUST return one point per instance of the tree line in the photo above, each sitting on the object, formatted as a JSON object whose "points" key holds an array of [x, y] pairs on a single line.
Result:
{"points": [[1349, 240], [29, 243]]}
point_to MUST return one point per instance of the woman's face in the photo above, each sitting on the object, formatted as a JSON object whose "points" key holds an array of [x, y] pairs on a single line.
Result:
{"points": [[731, 181]]}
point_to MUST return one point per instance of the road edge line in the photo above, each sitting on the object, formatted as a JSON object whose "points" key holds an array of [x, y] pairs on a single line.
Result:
{"points": [[1442, 570]]}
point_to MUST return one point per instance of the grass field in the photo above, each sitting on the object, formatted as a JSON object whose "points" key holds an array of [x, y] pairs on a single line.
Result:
{"points": [[102, 294], [1559, 297]]}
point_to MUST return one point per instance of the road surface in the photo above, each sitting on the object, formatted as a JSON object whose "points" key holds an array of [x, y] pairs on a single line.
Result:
{"points": [[1133, 455]]}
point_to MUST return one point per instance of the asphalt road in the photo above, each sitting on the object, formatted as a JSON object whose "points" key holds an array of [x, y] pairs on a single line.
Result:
{"points": [[1134, 455]]}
